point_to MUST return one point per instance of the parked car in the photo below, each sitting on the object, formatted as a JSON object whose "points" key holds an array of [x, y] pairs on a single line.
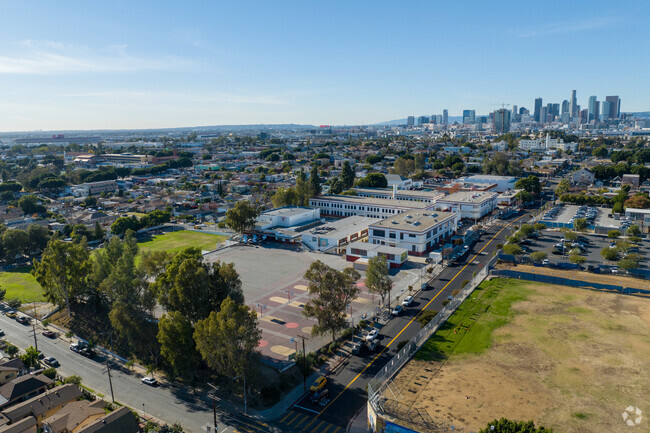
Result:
{"points": [[49, 333], [318, 384], [397, 310], [545, 262], [87, 352], [12, 314], [319, 395], [356, 348], [51, 361], [373, 345], [407, 301], [148, 380], [24, 320], [372, 334]]}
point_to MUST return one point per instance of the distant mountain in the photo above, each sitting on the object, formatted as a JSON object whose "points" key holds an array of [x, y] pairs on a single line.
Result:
{"points": [[450, 119], [641, 114]]}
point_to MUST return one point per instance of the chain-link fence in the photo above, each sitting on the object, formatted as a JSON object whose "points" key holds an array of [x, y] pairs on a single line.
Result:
{"points": [[382, 378]]}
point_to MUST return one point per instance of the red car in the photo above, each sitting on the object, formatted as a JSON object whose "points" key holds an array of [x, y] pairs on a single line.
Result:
{"points": [[49, 334]]}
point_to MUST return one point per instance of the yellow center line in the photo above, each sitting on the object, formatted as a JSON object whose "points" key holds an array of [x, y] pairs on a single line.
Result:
{"points": [[415, 317]]}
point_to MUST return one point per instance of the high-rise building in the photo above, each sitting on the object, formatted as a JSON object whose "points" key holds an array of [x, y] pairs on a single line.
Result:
{"points": [[605, 108], [438, 119], [583, 115], [469, 116], [538, 106], [573, 105], [597, 113], [565, 106], [445, 117], [543, 114], [523, 110], [410, 121], [614, 107], [422, 120], [502, 121], [592, 108]]}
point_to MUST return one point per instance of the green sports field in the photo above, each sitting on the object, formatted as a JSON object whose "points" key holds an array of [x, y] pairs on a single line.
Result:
{"points": [[174, 242], [19, 283]]}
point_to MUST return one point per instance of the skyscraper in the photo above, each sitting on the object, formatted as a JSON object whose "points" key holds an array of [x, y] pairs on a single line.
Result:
{"points": [[469, 116], [573, 105], [592, 108], [445, 117], [538, 106], [502, 121], [543, 114], [565, 106], [410, 121], [605, 110], [615, 107]]}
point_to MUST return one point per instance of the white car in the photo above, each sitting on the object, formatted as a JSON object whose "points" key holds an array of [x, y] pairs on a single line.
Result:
{"points": [[545, 262], [148, 380], [397, 310], [407, 301], [372, 334]]}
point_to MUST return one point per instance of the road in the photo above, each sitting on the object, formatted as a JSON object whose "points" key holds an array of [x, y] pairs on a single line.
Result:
{"points": [[348, 387]]}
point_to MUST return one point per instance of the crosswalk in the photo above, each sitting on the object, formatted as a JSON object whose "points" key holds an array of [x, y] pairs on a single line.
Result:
{"points": [[300, 421]]}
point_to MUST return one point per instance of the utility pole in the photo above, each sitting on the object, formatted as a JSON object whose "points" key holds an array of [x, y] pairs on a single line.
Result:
{"points": [[110, 380], [214, 397], [34, 334], [304, 362]]}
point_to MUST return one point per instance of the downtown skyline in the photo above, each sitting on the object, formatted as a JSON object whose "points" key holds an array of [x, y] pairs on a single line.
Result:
{"points": [[122, 65]]}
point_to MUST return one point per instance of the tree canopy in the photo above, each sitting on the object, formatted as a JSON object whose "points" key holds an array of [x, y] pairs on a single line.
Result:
{"points": [[242, 216]]}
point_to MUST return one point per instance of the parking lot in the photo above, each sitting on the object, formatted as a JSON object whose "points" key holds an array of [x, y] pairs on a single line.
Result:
{"points": [[592, 250]]}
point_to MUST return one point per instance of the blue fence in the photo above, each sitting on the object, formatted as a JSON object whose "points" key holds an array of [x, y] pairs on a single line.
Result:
{"points": [[558, 225], [549, 279]]}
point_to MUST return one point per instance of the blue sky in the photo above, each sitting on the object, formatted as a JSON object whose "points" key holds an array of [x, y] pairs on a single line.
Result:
{"points": [[150, 64]]}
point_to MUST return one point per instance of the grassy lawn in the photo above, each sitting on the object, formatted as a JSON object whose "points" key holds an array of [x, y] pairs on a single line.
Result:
{"points": [[174, 242], [19, 283], [469, 329]]}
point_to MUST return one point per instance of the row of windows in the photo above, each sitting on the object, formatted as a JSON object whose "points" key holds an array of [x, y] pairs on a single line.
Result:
{"points": [[355, 207]]}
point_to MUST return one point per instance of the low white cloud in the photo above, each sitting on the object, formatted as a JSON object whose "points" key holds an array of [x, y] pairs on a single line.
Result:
{"points": [[50, 57], [567, 27]]}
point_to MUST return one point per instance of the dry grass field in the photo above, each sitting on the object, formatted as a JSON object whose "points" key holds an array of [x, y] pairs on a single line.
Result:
{"points": [[569, 359]]}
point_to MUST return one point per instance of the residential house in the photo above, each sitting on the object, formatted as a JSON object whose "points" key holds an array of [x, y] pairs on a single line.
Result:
{"points": [[10, 369], [23, 388], [583, 176]]}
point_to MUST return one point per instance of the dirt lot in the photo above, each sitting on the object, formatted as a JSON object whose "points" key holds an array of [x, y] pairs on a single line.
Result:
{"points": [[569, 359], [617, 280]]}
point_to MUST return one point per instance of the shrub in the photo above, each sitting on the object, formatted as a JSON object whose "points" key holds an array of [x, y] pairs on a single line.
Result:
{"points": [[11, 350], [363, 323], [426, 317], [613, 234], [50, 372], [14, 303], [69, 334], [45, 323], [332, 348], [463, 284], [73, 379], [401, 344], [455, 293], [445, 302], [430, 269]]}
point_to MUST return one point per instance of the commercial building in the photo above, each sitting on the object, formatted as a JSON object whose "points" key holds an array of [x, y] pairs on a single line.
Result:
{"points": [[416, 231], [538, 108], [573, 105], [470, 204], [400, 181], [399, 194], [410, 121], [504, 183], [93, 188], [502, 121], [345, 206], [362, 251], [606, 107], [329, 236], [286, 224], [614, 107], [445, 117], [593, 108]]}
